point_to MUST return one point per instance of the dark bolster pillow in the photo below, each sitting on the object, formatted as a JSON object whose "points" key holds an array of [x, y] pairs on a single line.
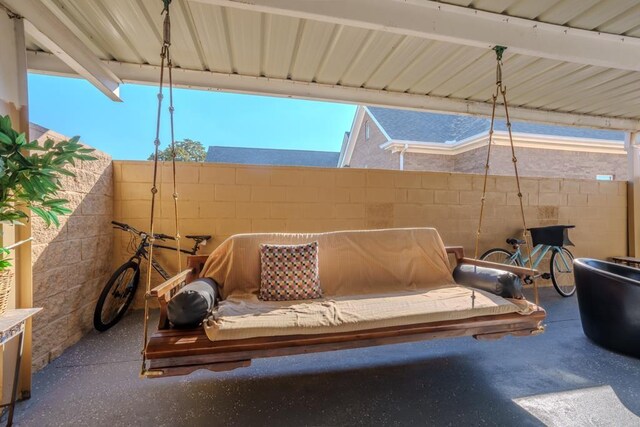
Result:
{"points": [[498, 282], [192, 304]]}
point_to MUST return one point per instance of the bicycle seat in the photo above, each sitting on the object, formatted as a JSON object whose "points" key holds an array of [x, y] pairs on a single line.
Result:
{"points": [[514, 242], [198, 237]]}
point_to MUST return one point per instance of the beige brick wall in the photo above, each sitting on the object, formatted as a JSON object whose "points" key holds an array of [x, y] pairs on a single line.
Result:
{"points": [[72, 263], [225, 199], [427, 162], [367, 152], [537, 162]]}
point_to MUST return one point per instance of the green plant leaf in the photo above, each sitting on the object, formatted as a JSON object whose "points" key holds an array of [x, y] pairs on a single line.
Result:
{"points": [[30, 175], [21, 139], [42, 214], [4, 139], [5, 124]]}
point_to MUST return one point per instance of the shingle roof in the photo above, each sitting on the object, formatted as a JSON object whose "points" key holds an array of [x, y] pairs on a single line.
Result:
{"points": [[409, 125], [36, 131], [269, 156]]}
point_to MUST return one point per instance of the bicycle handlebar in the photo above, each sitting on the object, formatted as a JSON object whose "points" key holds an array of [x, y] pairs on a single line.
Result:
{"points": [[119, 224], [127, 227], [161, 236]]}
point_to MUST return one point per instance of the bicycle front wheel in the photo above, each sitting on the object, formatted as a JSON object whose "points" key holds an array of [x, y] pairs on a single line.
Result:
{"points": [[499, 256], [562, 272], [117, 295]]}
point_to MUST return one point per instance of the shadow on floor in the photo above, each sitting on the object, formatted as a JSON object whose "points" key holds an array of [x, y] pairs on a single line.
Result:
{"points": [[446, 382]]}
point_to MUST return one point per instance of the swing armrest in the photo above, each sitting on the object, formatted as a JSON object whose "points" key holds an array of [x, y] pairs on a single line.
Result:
{"points": [[163, 293], [163, 290], [167, 289], [458, 252]]}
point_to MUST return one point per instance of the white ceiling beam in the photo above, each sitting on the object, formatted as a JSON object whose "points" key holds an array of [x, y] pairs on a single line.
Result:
{"points": [[460, 25], [50, 32], [206, 80]]}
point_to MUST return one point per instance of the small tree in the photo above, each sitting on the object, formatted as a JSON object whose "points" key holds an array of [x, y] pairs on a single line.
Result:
{"points": [[187, 150], [30, 177]]}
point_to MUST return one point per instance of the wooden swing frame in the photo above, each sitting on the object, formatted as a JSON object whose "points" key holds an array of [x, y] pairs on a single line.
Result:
{"points": [[170, 352]]}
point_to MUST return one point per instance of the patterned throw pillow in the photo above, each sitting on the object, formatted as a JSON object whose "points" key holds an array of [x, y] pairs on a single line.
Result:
{"points": [[289, 272]]}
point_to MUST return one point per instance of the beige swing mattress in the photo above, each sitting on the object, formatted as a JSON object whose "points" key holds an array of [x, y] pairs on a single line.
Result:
{"points": [[242, 318]]}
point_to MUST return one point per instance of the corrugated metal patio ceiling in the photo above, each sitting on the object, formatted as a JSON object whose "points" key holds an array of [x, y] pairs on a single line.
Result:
{"points": [[230, 40], [611, 16]]}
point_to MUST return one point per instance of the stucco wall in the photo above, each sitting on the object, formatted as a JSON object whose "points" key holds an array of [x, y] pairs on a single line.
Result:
{"points": [[225, 199], [72, 263]]}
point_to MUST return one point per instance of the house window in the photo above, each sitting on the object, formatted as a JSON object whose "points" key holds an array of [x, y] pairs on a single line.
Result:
{"points": [[604, 177], [367, 131]]}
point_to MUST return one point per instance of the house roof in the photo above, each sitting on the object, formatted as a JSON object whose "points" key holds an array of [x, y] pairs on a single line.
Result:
{"points": [[36, 131], [269, 156], [422, 126]]}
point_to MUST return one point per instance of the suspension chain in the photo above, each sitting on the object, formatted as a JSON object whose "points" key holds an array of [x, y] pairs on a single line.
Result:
{"points": [[165, 61], [501, 90]]}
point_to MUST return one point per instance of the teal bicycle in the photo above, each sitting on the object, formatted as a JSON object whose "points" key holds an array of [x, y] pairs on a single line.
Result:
{"points": [[545, 239]]}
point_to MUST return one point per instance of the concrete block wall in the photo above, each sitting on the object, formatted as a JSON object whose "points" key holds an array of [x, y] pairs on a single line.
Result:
{"points": [[227, 199], [72, 263]]}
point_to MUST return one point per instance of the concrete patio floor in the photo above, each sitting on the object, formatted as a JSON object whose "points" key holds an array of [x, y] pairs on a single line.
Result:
{"points": [[445, 382]]}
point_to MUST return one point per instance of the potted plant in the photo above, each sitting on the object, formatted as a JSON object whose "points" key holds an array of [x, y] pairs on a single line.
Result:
{"points": [[30, 181]]}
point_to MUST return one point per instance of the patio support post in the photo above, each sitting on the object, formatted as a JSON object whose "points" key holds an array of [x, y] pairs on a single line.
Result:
{"points": [[633, 193], [13, 102]]}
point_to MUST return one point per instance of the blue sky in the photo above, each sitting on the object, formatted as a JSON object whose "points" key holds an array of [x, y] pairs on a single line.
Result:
{"points": [[126, 130]]}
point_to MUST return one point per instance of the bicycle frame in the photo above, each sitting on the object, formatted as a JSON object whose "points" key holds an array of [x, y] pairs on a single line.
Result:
{"points": [[142, 252], [537, 254]]}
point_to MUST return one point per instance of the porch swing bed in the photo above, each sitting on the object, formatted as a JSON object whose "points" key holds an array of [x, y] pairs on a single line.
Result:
{"points": [[414, 297]]}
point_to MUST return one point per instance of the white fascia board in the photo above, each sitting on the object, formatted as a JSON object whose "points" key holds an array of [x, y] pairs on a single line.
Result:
{"points": [[563, 143], [39, 62], [398, 145], [450, 149], [461, 25], [347, 151], [50, 32], [541, 142]]}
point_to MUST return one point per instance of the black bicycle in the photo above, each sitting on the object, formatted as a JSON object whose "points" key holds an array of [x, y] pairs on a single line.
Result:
{"points": [[118, 293]]}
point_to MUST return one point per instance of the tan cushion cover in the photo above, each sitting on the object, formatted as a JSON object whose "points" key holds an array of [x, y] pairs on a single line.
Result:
{"points": [[350, 262], [241, 318]]}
